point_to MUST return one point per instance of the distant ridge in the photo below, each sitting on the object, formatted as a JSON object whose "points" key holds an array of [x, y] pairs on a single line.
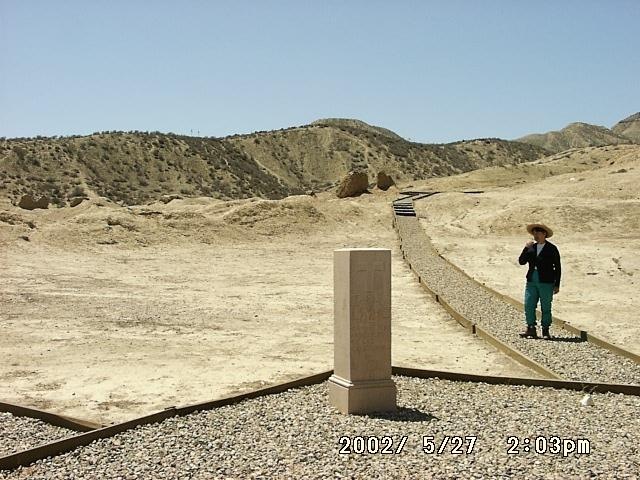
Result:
{"points": [[575, 135], [579, 135], [629, 127], [351, 122]]}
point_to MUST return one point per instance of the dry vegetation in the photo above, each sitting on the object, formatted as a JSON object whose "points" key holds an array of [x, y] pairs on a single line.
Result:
{"points": [[629, 127], [136, 168], [131, 168], [580, 135], [319, 154]]}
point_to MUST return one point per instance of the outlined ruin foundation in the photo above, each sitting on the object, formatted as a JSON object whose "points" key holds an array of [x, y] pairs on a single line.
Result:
{"points": [[93, 431]]}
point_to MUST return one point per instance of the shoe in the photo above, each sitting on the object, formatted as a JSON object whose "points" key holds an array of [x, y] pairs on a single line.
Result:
{"points": [[530, 333], [545, 333]]}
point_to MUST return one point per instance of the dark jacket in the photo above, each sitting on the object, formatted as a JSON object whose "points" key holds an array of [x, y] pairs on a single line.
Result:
{"points": [[547, 263]]}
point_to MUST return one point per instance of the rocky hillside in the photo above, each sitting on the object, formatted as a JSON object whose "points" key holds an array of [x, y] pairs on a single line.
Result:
{"points": [[135, 167], [575, 135], [357, 124], [580, 135], [131, 168], [629, 127], [317, 155]]}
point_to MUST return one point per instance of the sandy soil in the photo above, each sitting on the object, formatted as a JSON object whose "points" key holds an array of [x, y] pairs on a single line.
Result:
{"points": [[594, 210], [109, 313]]}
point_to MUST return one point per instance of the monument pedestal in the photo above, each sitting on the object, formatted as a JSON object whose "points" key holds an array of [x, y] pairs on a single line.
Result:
{"points": [[362, 397], [361, 382]]}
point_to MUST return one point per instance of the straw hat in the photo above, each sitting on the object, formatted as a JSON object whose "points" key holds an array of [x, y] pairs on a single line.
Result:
{"points": [[531, 226]]}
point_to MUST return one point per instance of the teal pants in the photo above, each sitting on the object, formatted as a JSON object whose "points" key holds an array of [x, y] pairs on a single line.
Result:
{"points": [[535, 291]]}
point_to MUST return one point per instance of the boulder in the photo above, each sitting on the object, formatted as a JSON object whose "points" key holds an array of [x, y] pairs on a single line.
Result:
{"points": [[29, 203], [353, 185], [75, 201], [168, 198], [384, 181]]}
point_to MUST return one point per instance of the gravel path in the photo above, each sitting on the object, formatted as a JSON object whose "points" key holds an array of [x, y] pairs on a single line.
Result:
{"points": [[296, 434], [565, 354], [22, 433]]}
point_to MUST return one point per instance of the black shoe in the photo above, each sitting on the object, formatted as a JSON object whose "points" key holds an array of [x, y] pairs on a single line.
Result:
{"points": [[530, 333], [545, 333]]}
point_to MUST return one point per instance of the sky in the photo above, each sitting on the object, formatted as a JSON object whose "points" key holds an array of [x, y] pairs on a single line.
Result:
{"points": [[432, 71]]}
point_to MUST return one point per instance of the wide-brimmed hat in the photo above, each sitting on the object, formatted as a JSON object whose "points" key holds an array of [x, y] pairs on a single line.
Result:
{"points": [[542, 226]]}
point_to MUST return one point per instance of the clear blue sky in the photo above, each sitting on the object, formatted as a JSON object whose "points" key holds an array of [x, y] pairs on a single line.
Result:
{"points": [[431, 71]]}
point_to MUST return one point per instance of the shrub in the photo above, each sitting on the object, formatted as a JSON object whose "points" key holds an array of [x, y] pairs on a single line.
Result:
{"points": [[20, 152], [58, 201], [78, 191]]}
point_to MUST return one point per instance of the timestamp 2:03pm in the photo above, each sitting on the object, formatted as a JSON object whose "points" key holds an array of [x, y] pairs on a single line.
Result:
{"points": [[459, 445], [553, 444]]}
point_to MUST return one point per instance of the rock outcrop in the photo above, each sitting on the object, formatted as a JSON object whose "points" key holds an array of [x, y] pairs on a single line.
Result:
{"points": [[384, 181], [29, 203], [354, 184], [75, 201]]}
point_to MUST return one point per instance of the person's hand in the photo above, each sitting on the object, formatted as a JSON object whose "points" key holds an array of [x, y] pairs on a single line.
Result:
{"points": [[556, 290], [529, 244]]}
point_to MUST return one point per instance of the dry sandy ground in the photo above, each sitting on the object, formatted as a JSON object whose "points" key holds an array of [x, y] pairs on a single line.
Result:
{"points": [[594, 210], [109, 313]]}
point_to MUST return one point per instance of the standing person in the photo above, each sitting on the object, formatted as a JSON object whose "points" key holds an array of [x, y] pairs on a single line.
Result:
{"points": [[543, 278]]}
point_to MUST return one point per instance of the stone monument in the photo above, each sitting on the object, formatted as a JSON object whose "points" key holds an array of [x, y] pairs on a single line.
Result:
{"points": [[361, 381]]}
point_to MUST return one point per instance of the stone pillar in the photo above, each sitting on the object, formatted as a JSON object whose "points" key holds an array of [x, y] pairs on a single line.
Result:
{"points": [[361, 381]]}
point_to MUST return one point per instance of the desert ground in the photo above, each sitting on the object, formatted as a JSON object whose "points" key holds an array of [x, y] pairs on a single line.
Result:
{"points": [[111, 312], [591, 199]]}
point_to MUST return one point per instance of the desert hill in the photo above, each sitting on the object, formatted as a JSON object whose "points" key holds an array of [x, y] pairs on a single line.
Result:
{"points": [[591, 189], [358, 124], [575, 135], [319, 154], [135, 167], [595, 188], [629, 127], [131, 168]]}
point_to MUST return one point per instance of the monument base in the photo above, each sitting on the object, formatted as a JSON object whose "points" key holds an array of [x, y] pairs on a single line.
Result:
{"points": [[362, 397]]}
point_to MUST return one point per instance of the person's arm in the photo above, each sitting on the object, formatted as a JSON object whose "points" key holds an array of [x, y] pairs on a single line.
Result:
{"points": [[526, 253], [558, 269]]}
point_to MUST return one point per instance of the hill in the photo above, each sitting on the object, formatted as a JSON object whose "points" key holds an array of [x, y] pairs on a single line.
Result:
{"points": [[359, 124], [629, 127], [136, 167], [319, 154], [131, 168], [575, 135]]}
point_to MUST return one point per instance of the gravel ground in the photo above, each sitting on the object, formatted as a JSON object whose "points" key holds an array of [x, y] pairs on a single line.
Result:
{"points": [[296, 434], [565, 354], [22, 433]]}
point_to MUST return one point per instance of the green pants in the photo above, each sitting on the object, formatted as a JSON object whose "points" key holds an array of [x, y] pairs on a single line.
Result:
{"points": [[535, 291]]}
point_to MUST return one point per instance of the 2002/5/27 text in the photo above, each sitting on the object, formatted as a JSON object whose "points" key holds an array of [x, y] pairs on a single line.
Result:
{"points": [[361, 444]]}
